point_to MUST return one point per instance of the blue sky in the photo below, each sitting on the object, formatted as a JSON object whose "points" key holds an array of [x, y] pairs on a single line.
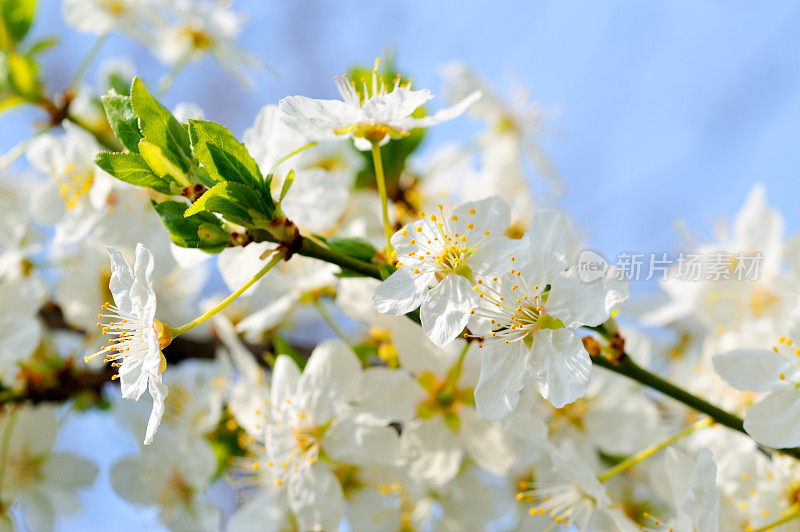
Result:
{"points": [[669, 110]]}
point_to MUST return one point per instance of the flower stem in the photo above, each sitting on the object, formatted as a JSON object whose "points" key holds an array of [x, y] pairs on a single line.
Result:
{"points": [[290, 155], [230, 299], [650, 451], [102, 138], [381, 180], [88, 59], [310, 248], [783, 520], [332, 323]]}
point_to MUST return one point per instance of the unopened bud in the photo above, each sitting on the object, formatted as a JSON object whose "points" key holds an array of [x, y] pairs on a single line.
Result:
{"points": [[591, 345]]}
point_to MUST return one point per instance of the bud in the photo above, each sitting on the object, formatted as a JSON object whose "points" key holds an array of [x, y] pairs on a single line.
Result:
{"points": [[591, 345], [213, 235]]}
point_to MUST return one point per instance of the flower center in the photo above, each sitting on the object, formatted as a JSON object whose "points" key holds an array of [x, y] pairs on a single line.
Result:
{"points": [[126, 337], [23, 470], [762, 300], [293, 443], [445, 398], [199, 39], [176, 491], [513, 314], [115, 7], [74, 186]]}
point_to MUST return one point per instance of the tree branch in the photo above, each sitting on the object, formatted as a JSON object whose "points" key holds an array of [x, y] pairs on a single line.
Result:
{"points": [[624, 365]]}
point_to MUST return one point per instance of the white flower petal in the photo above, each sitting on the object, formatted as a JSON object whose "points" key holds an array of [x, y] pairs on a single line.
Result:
{"points": [[121, 279], [547, 244], [331, 378], [485, 442], [562, 366], [318, 119], [352, 443], [159, 393], [285, 376], [395, 106], [701, 501], [775, 420], [445, 311], [752, 369], [578, 303], [433, 451], [264, 513], [401, 293], [443, 115], [491, 214], [503, 372], [389, 395], [315, 497]]}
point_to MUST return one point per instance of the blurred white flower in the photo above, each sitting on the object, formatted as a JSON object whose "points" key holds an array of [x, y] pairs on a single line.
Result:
{"points": [[76, 192], [100, 17], [172, 474], [196, 28], [775, 419], [20, 330], [310, 427], [44, 483]]}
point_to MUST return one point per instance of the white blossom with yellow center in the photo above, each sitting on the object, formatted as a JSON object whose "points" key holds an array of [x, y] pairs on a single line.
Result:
{"points": [[370, 111], [775, 419], [135, 336], [438, 256], [312, 426], [527, 316]]}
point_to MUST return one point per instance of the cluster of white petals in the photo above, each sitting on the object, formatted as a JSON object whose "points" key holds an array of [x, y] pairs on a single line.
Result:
{"points": [[333, 339]]}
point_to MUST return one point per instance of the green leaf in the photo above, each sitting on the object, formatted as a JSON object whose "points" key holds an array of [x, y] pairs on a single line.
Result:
{"points": [[224, 157], [160, 128], [234, 201], [386, 270], [354, 247], [287, 184], [133, 169], [117, 82], [202, 230], [17, 18], [122, 119], [42, 45], [23, 73], [161, 165], [282, 347], [9, 102]]}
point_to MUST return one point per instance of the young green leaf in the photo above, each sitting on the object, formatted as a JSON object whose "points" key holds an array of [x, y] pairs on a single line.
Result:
{"points": [[23, 73], [237, 203], [226, 159], [160, 128], [17, 17], [123, 120], [162, 165], [202, 230], [133, 169], [282, 347], [287, 184]]}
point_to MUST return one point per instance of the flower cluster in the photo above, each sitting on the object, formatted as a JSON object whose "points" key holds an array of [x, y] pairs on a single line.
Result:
{"points": [[337, 330]]}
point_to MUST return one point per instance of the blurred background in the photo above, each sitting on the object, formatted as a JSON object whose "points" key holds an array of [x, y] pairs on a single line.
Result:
{"points": [[662, 111]]}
